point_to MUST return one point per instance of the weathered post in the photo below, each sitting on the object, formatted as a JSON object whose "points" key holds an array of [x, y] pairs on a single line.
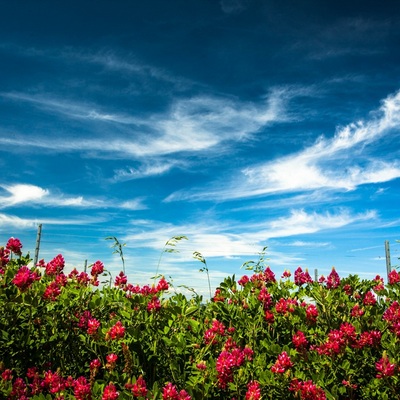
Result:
{"points": [[37, 247], [387, 253]]}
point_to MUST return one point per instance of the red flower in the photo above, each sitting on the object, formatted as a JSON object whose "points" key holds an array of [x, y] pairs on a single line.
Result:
{"points": [[92, 326], [385, 367], [82, 390], [56, 265], [170, 392], [116, 332], [356, 311], [24, 278], [243, 280], [299, 340], [154, 304], [307, 390], [311, 313], [52, 291], [286, 274], [282, 364], [111, 361], [253, 391], [369, 299], [394, 277], [110, 392], [4, 256], [139, 388], [162, 285], [301, 277], [333, 280], [121, 280], [7, 375], [265, 298], [97, 268], [95, 364], [14, 245]]}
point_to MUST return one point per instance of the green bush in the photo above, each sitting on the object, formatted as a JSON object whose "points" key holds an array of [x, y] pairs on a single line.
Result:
{"points": [[67, 336]]}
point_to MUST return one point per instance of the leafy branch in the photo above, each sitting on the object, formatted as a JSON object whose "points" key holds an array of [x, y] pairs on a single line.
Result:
{"points": [[198, 256], [117, 245], [169, 247]]}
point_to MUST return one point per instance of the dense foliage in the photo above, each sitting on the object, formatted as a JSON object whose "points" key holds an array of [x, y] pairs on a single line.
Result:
{"points": [[65, 336]]}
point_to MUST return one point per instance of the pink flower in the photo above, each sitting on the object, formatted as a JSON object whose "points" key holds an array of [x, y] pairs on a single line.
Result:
{"points": [[201, 365], [54, 382], [110, 392], [52, 291], [95, 364], [24, 278], [394, 277], [92, 326], [356, 311], [282, 364], [162, 285], [299, 340], [333, 280], [111, 361], [265, 298], [286, 274], [243, 280], [301, 277], [4, 256], [139, 388], [121, 280], [7, 375], [97, 268], [307, 390], [154, 304], [82, 390], [170, 392], [14, 245], [116, 332], [56, 265], [311, 313], [369, 299], [253, 391], [385, 367]]}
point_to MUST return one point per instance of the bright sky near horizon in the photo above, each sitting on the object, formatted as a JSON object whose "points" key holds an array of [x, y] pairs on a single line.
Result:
{"points": [[237, 123]]}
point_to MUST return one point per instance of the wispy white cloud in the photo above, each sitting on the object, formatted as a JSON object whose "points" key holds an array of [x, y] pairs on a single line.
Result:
{"points": [[342, 162], [217, 240], [196, 124], [15, 222], [158, 167], [31, 195], [301, 243]]}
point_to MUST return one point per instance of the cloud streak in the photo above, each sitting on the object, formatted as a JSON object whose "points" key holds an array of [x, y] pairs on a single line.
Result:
{"points": [[31, 195], [341, 163], [196, 124]]}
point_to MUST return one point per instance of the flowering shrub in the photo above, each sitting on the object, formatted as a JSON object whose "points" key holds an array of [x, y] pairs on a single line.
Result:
{"points": [[65, 336]]}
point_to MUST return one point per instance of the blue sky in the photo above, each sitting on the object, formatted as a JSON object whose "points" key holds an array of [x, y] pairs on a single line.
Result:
{"points": [[237, 123]]}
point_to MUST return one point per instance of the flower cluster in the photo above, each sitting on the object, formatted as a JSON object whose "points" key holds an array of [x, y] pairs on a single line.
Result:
{"points": [[14, 245], [385, 368], [307, 390], [24, 278], [282, 364], [228, 360], [170, 392], [216, 331], [300, 277], [116, 332]]}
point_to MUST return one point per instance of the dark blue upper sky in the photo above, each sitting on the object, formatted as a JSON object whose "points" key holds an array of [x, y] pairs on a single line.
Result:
{"points": [[238, 123]]}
